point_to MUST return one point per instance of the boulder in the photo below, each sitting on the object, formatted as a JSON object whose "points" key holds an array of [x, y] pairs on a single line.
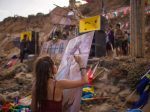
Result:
{"points": [[2, 98], [104, 78], [125, 93], [10, 73], [20, 75], [133, 98], [102, 108], [114, 89], [29, 76], [23, 78], [13, 95]]}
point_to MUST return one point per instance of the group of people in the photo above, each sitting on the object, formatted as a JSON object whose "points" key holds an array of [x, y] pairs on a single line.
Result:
{"points": [[117, 41]]}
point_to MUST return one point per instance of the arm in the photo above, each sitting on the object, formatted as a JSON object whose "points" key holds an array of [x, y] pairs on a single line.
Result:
{"points": [[67, 84]]}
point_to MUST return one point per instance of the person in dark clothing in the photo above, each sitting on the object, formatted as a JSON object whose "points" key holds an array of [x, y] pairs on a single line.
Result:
{"points": [[111, 36], [110, 41], [24, 48], [125, 43]]}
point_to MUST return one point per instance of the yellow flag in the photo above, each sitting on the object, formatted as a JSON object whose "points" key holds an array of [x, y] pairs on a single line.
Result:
{"points": [[29, 35], [90, 24]]}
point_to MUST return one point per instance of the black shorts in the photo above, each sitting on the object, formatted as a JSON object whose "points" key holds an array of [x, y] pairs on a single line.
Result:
{"points": [[118, 43], [108, 46]]}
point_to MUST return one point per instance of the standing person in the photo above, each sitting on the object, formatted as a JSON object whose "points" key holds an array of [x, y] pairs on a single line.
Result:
{"points": [[111, 35], [108, 44], [24, 47], [125, 43], [47, 93], [110, 41], [118, 40], [128, 43]]}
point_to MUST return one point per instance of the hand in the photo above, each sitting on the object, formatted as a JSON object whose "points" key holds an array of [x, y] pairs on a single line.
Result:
{"points": [[78, 60]]}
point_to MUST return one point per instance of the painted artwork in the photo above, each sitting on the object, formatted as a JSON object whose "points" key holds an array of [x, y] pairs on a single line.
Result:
{"points": [[54, 49], [69, 69]]}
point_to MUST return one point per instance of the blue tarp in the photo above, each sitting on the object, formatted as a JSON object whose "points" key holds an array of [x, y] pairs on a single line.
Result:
{"points": [[143, 90]]}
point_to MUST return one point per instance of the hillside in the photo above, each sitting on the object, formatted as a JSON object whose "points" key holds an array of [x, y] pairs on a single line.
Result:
{"points": [[116, 76], [44, 22], [40, 21]]}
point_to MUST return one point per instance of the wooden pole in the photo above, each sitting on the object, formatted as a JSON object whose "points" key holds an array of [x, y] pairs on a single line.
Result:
{"points": [[137, 21]]}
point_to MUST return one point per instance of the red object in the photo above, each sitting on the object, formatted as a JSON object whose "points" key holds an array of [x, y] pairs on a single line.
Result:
{"points": [[147, 2], [11, 63], [6, 107], [90, 75], [125, 11]]}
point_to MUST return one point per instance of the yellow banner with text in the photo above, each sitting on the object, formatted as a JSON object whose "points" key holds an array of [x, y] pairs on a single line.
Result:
{"points": [[90, 24]]}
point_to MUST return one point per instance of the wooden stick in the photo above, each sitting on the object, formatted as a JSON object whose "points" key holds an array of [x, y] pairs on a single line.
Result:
{"points": [[98, 74], [128, 98]]}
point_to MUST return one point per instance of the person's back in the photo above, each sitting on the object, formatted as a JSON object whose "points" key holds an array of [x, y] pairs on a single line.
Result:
{"points": [[47, 93], [54, 101]]}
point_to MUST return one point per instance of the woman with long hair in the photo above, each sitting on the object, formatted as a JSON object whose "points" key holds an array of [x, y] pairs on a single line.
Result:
{"points": [[47, 93]]}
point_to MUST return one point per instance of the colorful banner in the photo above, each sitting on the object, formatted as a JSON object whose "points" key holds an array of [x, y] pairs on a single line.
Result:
{"points": [[90, 24], [69, 69], [124, 11], [28, 34]]}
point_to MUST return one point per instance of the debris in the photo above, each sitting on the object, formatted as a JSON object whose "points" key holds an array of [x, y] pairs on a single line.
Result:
{"points": [[25, 101], [124, 93]]}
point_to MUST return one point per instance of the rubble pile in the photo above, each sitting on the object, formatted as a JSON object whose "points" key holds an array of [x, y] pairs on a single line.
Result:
{"points": [[115, 80], [121, 76]]}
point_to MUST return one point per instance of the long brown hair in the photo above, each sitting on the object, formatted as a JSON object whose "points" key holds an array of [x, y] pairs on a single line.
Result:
{"points": [[43, 70]]}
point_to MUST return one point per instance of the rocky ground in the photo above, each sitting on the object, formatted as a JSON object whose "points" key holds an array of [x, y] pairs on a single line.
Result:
{"points": [[115, 84], [16, 81], [117, 78]]}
